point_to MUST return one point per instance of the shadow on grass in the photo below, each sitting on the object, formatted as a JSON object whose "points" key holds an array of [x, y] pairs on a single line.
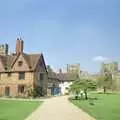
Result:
{"points": [[91, 100]]}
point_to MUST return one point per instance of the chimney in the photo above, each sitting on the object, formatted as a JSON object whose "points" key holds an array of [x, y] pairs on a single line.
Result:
{"points": [[19, 46]]}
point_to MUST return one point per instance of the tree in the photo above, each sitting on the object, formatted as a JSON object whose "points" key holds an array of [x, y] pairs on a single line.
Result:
{"points": [[75, 88], [106, 81], [85, 85]]}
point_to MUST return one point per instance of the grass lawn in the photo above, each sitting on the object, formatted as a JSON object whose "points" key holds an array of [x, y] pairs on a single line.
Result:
{"points": [[16, 110], [107, 107]]}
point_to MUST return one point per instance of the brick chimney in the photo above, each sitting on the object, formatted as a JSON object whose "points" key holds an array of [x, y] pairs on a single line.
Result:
{"points": [[19, 46]]}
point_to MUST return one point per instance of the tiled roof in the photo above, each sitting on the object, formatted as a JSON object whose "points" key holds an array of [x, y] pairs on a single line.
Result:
{"points": [[62, 76], [52, 75], [67, 76], [31, 59], [7, 61]]}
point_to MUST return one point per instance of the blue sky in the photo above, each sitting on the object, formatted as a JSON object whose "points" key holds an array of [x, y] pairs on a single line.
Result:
{"points": [[66, 31]]}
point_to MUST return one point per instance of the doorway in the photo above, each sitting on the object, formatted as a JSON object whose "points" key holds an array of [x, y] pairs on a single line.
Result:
{"points": [[7, 91]]}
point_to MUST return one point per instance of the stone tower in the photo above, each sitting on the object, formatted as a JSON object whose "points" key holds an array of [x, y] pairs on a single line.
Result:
{"points": [[73, 68]]}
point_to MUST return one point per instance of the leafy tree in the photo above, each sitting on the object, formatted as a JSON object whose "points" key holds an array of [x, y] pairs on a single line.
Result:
{"points": [[85, 85], [75, 88], [106, 81]]}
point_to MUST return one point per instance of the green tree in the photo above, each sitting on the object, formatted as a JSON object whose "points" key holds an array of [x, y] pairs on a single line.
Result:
{"points": [[85, 85], [75, 88], [106, 82]]}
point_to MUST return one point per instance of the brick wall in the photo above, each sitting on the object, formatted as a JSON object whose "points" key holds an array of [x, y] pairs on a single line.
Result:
{"points": [[13, 81]]}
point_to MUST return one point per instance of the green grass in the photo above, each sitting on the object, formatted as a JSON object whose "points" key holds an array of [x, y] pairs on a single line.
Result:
{"points": [[16, 110], [107, 107]]}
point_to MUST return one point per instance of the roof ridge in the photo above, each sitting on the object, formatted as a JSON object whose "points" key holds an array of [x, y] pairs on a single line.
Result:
{"points": [[30, 59]]}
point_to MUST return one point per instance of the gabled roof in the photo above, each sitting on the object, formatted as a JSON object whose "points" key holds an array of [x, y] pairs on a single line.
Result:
{"points": [[31, 59], [7, 61]]}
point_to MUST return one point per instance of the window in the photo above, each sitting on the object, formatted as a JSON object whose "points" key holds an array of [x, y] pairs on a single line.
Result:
{"points": [[9, 74], [7, 91], [21, 75], [20, 63], [41, 76], [0, 76], [21, 88]]}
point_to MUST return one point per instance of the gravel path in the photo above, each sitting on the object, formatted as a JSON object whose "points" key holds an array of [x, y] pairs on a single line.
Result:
{"points": [[58, 108]]}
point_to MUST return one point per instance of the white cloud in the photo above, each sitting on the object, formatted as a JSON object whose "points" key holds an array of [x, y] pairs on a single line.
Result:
{"points": [[100, 58]]}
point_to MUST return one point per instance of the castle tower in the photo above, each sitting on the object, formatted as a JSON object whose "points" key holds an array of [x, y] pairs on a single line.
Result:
{"points": [[73, 68]]}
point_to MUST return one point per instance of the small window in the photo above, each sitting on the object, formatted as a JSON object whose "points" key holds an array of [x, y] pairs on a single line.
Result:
{"points": [[21, 88], [21, 75], [41, 76], [30, 67], [20, 63], [9, 74]]}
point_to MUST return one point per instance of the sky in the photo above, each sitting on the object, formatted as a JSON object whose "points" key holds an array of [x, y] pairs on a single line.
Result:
{"points": [[65, 31]]}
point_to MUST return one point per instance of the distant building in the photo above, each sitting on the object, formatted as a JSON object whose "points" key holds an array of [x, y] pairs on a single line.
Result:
{"points": [[53, 82], [66, 79], [74, 68], [84, 75], [109, 67], [4, 49]]}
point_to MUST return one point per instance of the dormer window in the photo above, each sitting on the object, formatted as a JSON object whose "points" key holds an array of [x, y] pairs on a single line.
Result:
{"points": [[20, 63], [30, 67], [5, 68]]}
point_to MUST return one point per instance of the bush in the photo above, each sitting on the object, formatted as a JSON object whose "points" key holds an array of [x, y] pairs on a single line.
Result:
{"points": [[39, 91]]}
